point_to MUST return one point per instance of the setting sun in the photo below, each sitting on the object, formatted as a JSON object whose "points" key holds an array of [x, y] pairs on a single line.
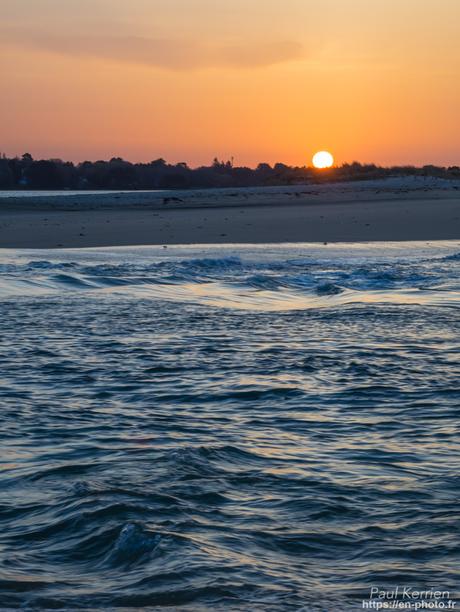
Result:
{"points": [[323, 159]]}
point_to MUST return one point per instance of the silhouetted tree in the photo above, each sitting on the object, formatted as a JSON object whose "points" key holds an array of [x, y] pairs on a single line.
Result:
{"points": [[44, 175], [25, 172], [6, 175]]}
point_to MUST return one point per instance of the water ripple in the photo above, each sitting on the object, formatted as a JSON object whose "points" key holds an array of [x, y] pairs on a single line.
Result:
{"points": [[228, 428]]}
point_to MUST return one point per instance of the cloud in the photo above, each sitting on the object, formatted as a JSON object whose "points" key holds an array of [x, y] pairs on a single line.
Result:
{"points": [[263, 54], [163, 53]]}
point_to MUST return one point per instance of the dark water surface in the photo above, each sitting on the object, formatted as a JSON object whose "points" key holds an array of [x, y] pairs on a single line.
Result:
{"points": [[235, 428]]}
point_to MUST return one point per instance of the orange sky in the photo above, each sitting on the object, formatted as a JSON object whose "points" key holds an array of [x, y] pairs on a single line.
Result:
{"points": [[265, 80]]}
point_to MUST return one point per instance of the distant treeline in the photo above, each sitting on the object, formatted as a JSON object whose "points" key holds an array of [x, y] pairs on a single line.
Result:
{"points": [[27, 173]]}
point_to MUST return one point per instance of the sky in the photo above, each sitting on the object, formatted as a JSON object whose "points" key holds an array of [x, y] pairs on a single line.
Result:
{"points": [[257, 80]]}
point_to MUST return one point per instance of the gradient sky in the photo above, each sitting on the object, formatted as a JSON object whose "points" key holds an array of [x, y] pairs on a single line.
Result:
{"points": [[260, 80]]}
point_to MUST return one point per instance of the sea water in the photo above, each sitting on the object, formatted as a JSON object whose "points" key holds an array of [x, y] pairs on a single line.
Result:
{"points": [[228, 428], [43, 193]]}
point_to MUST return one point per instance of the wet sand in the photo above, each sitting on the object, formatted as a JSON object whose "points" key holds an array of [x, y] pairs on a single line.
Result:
{"points": [[372, 211]]}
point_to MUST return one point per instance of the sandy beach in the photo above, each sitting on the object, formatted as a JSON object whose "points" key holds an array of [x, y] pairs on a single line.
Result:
{"points": [[394, 209]]}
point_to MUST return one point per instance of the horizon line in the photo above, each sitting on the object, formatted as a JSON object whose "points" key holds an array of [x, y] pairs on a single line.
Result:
{"points": [[229, 163]]}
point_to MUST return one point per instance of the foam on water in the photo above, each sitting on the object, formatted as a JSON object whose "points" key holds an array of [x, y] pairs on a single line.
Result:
{"points": [[228, 428]]}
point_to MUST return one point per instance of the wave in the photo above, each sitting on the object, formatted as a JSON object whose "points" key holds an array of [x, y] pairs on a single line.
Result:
{"points": [[235, 282], [453, 257], [254, 294], [227, 428]]}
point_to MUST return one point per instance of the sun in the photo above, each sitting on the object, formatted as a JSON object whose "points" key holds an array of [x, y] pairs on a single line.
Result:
{"points": [[323, 159]]}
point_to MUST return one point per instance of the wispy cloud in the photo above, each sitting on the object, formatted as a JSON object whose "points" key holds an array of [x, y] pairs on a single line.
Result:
{"points": [[163, 53]]}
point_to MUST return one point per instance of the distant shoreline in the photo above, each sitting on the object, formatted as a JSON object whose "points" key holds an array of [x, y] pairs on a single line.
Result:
{"points": [[383, 210]]}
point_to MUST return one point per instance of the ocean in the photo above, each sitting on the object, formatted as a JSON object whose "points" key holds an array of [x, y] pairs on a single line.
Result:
{"points": [[228, 427]]}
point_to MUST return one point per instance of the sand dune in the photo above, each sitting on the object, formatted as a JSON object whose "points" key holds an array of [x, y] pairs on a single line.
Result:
{"points": [[393, 209]]}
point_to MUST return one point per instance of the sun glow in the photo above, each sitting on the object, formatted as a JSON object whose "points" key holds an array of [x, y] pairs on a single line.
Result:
{"points": [[323, 159]]}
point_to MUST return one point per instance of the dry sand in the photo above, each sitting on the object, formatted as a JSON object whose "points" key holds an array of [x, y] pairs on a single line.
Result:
{"points": [[400, 209]]}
